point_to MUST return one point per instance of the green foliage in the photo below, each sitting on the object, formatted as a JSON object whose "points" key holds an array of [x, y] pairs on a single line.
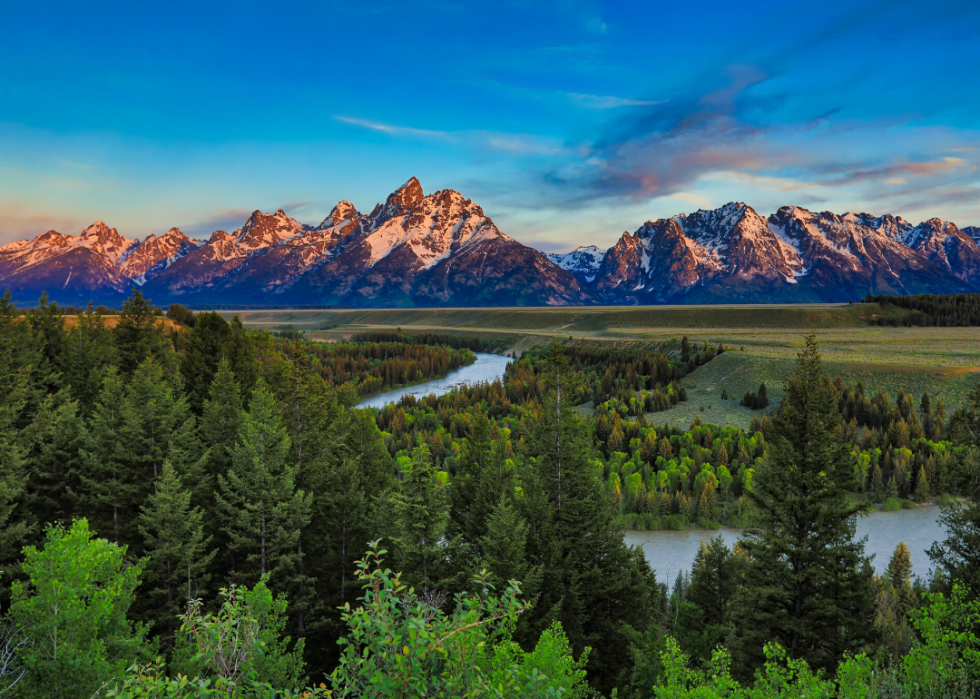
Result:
{"points": [[397, 645], [243, 641], [74, 604]]}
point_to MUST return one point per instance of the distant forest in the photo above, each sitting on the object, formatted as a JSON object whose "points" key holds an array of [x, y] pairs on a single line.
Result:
{"points": [[931, 310]]}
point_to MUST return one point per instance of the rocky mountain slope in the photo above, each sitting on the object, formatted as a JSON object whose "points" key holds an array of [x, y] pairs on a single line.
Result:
{"points": [[442, 250]]}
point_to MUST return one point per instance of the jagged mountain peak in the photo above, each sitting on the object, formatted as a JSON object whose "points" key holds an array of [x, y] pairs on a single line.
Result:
{"points": [[583, 262], [342, 211], [406, 195], [266, 230]]}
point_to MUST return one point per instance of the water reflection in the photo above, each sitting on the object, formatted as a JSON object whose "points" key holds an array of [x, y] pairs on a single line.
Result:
{"points": [[670, 552], [487, 367]]}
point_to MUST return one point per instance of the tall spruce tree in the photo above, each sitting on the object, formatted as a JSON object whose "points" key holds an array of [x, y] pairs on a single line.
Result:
{"points": [[221, 422], [204, 349], [261, 510], [715, 580], [807, 581], [139, 335], [593, 583], [88, 354], [176, 552], [504, 551], [422, 514], [59, 436], [106, 492]]}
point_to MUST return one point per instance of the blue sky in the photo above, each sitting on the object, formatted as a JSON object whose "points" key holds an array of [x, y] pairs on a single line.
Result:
{"points": [[569, 121]]}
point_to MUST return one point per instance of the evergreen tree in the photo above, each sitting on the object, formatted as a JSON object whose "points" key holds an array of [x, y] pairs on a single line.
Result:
{"points": [[106, 491], [504, 548], [157, 425], [422, 515], [714, 582], [177, 558], [877, 484], [241, 354], [260, 507], [922, 486], [48, 329], [310, 415], [16, 519], [88, 355], [957, 557], [204, 348], [592, 582], [55, 459], [807, 582], [221, 423], [900, 575], [139, 335]]}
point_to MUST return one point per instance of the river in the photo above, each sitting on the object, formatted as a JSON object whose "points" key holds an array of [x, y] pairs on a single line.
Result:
{"points": [[487, 367], [670, 552]]}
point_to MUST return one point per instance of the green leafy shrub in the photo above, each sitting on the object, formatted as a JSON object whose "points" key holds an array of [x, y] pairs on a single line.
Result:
{"points": [[400, 645]]}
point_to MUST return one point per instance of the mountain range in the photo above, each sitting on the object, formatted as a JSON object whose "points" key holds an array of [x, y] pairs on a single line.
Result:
{"points": [[442, 250]]}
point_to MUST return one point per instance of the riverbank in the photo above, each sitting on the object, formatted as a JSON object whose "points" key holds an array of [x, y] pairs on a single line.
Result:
{"points": [[486, 367]]}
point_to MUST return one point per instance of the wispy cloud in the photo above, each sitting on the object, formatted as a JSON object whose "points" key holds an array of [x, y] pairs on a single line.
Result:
{"points": [[392, 129], [475, 138], [607, 101]]}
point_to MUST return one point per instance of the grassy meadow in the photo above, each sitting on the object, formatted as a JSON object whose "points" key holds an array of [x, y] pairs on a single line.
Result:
{"points": [[763, 340]]}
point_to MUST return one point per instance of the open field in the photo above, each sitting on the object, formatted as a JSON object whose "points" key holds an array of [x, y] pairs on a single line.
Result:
{"points": [[763, 340]]}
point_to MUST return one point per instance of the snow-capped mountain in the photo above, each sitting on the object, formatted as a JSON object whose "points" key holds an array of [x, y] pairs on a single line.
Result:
{"points": [[583, 261], [733, 254], [413, 250], [441, 249]]}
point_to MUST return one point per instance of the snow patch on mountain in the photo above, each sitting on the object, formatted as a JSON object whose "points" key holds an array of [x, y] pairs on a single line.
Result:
{"points": [[584, 261]]}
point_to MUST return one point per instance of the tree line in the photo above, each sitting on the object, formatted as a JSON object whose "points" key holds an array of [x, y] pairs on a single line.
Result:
{"points": [[930, 310]]}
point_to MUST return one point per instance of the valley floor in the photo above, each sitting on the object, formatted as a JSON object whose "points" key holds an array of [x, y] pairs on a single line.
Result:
{"points": [[763, 341]]}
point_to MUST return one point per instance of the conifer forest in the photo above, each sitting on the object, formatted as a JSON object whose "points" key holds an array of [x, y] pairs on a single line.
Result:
{"points": [[191, 508]]}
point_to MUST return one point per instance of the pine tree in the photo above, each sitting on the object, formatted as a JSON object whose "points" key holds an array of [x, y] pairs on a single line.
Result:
{"points": [[48, 329], [260, 507], [504, 549], [106, 492], [88, 355], [958, 556], [157, 425], [204, 348], [807, 582], [139, 335], [877, 484], [221, 423], [592, 583], [714, 583], [477, 486], [55, 459], [422, 514], [922, 486], [900, 575], [17, 522], [176, 551], [241, 355]]}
